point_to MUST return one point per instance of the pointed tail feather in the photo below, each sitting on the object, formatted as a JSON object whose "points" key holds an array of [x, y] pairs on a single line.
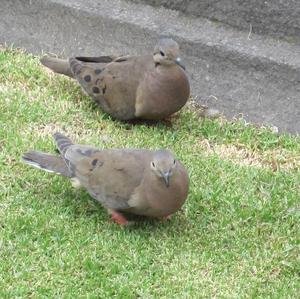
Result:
{"points": [[99, 59], [57, 65], [75, 66], [62, 142], [78, 64], [47, 162]]}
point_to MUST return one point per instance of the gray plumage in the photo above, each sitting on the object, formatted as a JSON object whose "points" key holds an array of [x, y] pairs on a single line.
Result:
{"points": [[128, 87], [138, 181]]}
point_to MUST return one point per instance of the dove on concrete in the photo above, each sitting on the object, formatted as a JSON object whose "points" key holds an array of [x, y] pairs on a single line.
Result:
{"points": [[128, 87], [143, 182]]}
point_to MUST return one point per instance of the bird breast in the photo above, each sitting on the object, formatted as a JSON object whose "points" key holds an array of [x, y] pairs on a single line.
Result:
{"points": [[162, 92]]}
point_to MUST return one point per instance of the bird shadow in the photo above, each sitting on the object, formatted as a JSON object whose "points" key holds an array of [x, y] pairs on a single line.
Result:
{"points": [[79, 204], [149, 123], [167, 122]]}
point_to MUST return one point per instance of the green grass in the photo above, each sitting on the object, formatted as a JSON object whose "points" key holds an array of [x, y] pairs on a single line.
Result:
{"points": [[237, 236]]}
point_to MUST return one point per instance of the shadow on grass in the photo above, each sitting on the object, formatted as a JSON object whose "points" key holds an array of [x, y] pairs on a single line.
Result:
{"points": [[80, 204]]}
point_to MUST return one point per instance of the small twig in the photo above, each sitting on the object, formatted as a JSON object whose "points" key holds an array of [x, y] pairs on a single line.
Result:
{"points": [[250, 32]]}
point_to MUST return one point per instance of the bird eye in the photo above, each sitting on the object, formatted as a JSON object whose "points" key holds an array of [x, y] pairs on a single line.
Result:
{"points": [[152, 163], [162, 53]]}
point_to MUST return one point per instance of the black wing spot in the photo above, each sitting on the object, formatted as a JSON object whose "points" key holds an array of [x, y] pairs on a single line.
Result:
{"points": [[87, 78], [96, 89], [98, 71], [94, 163]]}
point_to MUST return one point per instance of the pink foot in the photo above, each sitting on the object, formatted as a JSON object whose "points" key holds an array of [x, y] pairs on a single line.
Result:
{"points": [[168, 217], [119, 218]]}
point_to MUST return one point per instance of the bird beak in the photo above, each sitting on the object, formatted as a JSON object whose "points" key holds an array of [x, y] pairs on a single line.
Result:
{"points": [[178, 61], [166, 177]]}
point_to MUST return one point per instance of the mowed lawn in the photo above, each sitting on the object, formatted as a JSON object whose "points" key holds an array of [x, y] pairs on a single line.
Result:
{"points": [[237, 236]]}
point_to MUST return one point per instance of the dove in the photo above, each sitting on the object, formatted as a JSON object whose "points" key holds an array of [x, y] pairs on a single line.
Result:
{"points": [[143, 182], [150, 87]]}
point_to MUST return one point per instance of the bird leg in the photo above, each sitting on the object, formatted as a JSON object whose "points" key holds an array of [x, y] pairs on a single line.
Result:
{"points": [[168, 217], [119, 218]]}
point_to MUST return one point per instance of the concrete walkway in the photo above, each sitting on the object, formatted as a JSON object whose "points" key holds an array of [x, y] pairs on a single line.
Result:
{"points": [[234, 71]]}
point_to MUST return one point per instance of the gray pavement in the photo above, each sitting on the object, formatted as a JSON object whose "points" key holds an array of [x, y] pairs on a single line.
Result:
{"points": [[277, 18]]}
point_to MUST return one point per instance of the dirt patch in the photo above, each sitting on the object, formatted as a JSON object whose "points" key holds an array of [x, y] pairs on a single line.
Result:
{"points": [[278, 159]]}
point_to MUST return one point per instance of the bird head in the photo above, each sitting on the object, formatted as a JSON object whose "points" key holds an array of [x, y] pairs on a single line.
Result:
{"points": [[163, 165], [166, 52]]}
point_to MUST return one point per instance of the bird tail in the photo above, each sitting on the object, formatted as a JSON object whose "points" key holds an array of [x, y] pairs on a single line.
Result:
{"points": [[57, 65], [99, 59], [47, 162], [75, 66], [79, 63], [62, 142]]}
